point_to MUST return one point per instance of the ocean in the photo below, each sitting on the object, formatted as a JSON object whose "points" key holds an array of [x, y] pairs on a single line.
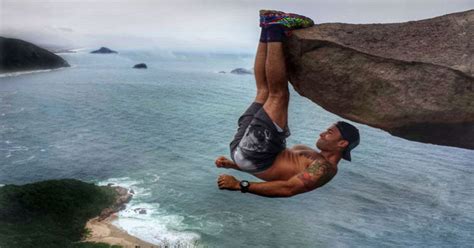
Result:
{"points": [[157, 131]]}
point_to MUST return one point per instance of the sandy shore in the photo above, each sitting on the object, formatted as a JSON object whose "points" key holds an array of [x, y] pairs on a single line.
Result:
{"points": [[103, 231]]}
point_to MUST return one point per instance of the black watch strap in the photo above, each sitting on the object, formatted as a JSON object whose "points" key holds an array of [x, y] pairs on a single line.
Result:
{"points": [[244, 186]]}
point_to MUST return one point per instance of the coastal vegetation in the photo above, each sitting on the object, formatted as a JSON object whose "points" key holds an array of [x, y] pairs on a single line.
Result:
{"points": [[19, 55], [51, 213]]}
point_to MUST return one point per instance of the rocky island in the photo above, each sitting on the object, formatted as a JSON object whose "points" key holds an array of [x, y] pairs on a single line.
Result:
{"points": [[140, 66], [19, 55], [414, 80], [241, 71], [104, 50]]}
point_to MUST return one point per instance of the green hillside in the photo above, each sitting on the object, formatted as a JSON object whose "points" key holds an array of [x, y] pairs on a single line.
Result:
{"points": [[50, 213]]}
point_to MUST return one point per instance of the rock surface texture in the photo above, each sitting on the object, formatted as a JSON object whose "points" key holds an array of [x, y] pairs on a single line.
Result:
{"points": [[414, 80], [19, 55], [123, 197]]}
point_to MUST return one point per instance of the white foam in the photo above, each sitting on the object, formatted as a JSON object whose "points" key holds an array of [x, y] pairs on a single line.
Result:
{"points": [[155, 178], [14, 74], [160, 229], [156, 226], [19, 73], [11, 150], [125, 182]]}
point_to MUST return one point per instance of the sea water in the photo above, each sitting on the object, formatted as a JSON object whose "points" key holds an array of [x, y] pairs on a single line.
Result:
{"points": [[157, 131]]}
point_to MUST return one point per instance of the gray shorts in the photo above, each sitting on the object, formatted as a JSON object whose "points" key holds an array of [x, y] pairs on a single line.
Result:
{"points": [[258, 140]]}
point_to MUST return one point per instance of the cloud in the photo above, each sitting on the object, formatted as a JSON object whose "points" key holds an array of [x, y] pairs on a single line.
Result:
{"points": [[65, 29], [204, 24]]}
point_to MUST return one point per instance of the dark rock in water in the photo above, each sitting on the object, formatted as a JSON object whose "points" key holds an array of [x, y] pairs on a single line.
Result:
{"points": [[241, 71], [19, 55], [140, 210], [132, 191], [413, 80], [104, 50], [140, 66], [222, 72]]}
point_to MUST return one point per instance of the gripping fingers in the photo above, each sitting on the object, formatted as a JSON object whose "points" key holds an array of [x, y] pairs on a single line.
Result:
{"points": [[226, 181]]}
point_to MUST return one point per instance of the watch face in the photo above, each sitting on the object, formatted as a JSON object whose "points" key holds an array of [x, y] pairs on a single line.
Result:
{"points": [[245, 183]]}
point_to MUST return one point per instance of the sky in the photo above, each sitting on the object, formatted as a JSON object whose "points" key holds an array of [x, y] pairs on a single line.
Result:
{"points": [[186, 25]]}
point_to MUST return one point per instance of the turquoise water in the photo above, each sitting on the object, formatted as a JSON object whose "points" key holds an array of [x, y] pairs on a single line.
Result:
{"points": [[158, 131]]}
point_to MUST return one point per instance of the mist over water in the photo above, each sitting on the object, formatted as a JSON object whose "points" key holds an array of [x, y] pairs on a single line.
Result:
{"points": [[158, 131]]}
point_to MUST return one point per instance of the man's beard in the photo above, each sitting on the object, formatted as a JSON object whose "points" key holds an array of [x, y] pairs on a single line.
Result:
{"points": [[320, 145]]}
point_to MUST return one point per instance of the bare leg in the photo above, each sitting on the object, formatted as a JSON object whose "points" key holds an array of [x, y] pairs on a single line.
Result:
{"points": [[276, 105], [260, 78], [261, 97]]}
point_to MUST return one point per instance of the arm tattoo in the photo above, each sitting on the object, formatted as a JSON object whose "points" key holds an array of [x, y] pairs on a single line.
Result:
{"points": [[316, 175]]}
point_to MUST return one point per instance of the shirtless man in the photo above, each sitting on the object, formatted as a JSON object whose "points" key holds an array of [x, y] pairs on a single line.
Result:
{"points": [[259, 146]]}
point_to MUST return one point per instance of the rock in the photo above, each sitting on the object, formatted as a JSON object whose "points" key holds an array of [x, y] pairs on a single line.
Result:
{"points": [[140, 210], [122, 198], [110, 184], [413, 80], [241, 71], [132, 191], [106, 212], [104, 50], [19, 55], [140, 66], [222, 72]]}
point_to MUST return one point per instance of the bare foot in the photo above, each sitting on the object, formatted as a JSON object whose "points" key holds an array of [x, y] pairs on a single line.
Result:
{"points": [[223, 162]]}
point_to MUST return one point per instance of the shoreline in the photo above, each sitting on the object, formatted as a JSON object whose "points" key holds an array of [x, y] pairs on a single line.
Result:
{"points": [[105, 232], [101, 227]]}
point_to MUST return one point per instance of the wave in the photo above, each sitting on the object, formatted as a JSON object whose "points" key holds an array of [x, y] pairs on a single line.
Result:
{"points": [[19, 73], [148, 221]]}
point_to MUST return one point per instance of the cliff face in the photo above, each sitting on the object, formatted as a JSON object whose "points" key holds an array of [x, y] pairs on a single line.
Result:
{"points": [[414, 80], [19, 55]]}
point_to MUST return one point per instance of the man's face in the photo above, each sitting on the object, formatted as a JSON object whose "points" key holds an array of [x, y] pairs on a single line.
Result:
{"points": [[331, 140]]}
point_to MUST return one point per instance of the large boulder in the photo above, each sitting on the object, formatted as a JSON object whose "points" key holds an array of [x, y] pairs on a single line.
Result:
{"points": [[122, 198], [19, 55], [413, 80]]}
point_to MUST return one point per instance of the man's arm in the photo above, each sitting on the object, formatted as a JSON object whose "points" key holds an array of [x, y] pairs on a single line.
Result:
{"points": [[316, 175]]}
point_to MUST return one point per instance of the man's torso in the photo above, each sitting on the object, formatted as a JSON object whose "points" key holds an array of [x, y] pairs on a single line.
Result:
{"points": [[289, 163]]}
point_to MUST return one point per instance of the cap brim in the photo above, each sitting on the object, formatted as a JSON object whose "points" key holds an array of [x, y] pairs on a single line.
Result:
{"points": [[346, 155]]}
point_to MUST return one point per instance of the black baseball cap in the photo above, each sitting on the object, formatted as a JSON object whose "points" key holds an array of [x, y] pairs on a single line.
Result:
{"points": [[351, 134]]}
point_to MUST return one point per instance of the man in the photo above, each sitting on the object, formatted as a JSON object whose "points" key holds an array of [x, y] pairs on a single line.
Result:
{"points": [[259, 146]]}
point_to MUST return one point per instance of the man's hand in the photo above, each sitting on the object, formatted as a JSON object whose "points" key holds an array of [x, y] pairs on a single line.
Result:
{"points": [[228, 182]]}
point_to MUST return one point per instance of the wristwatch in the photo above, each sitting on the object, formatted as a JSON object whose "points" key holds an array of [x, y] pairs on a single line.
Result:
{"points": [[244, 186]]}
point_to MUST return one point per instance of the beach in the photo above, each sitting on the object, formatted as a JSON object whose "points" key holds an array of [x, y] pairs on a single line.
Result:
{"points": [[105, 232]]}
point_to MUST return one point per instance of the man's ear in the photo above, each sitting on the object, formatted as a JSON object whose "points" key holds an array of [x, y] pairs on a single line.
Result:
{"points": [[342, 144]]}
